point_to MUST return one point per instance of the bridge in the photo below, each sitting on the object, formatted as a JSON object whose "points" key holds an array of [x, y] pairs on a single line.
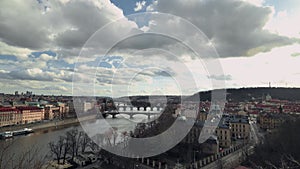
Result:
{"points": [[131, 111]]}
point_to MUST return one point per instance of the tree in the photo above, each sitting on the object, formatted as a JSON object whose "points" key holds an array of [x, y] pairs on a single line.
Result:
{"points": [[84, 141], [93, 146], [66, 149], [281, 148], [25, 159], [73, 138], [57, 148]]}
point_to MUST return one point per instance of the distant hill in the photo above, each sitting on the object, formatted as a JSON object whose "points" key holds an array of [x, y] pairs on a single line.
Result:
{"points": [[236, 95], [242, 94]]}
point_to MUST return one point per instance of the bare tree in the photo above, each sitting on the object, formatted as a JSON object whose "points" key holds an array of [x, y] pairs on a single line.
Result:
{"points": [[84, 141], [57, 148], [93, 146], [3, 151], [28, 159], [25, 159], [66, 149], [73, 138]]}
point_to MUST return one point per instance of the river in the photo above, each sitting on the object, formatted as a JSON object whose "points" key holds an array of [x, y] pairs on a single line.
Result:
{"points": [[40, 139]]}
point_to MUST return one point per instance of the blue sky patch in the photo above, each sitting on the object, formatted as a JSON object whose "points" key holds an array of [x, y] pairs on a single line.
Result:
{"points": [[128, 6], [8, 57], [38, 54], [282, 5]]}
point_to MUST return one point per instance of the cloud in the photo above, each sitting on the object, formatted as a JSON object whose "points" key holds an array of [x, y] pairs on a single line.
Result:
{"points": [[139, 6], [67, 25], [236, 28], [220, 77], [37, 74], [20, 53], [275, 66], [284, 24], [255, 2], [46, 57], [152, 6]]}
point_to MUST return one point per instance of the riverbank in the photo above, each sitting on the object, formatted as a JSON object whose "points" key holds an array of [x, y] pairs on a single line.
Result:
{"points": [[49, 124]]}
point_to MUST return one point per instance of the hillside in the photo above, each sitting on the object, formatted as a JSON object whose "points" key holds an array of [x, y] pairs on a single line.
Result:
{"points": [[242, 94]]}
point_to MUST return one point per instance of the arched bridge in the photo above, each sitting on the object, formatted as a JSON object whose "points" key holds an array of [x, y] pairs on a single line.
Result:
{"points": [[131, 111]]}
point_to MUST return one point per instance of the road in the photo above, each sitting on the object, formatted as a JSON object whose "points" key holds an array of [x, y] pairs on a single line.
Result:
{"points": [[255, 134]]}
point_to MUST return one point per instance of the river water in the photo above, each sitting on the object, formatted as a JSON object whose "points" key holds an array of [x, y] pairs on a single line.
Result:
{"points": [[39, 140]]}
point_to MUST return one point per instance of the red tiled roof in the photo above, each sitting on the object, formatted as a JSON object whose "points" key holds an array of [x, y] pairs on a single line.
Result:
{"points": [[28, 108], [7, 109]]}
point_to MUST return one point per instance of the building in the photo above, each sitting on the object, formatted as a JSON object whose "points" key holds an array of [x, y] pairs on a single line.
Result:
{"points": [[50, 112], [239, 126], [211, 145], [202, 115], [63, 109], [271, 120], [223, 133], [193, 136], [10, 116], [57, 110], [31, 114], [85, 159]]}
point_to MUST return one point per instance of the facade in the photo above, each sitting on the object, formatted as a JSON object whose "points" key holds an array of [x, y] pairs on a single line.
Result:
{"points": [[230, 127], [31, 114], [224, 136], [239, 126], [63, 109], [49, 112], [202, 115], [270, 120], [81, 106], [59, 110], [10, 116]]}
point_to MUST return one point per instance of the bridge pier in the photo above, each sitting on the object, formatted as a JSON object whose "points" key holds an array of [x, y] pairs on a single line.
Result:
{"points": [[148, 116], [131, 116]]}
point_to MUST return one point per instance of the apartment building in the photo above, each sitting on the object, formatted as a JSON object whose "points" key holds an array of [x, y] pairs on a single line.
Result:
{"points": [[10, 116], [239, 126], [271, 120], [224, 135], [31, 114]]}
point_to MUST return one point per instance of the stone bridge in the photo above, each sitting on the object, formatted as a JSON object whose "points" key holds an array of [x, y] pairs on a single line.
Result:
{"points": [[131, 111]]}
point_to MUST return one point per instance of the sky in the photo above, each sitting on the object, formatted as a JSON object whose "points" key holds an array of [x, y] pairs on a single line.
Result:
{"points": [[133, 47]]}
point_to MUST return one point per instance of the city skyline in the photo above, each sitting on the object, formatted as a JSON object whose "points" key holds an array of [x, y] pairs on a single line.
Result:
{"points": [[257, 42]]}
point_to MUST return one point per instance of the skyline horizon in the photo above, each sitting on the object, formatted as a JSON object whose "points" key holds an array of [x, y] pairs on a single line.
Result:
{"points": [[147, 47], [177, 95]]}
